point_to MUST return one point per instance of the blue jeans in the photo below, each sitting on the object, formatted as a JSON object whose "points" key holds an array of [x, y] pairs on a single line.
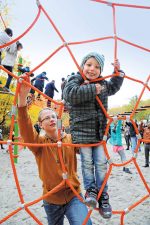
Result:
{"points": [[75, 211], [133, 143], [9, 68], [94, 167], [122, 155]]}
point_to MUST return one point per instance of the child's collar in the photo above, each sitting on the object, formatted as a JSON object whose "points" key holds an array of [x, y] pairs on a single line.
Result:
{"points": [[63, 135]]}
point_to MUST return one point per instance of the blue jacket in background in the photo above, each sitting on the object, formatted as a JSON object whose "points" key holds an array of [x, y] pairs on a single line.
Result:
{"points": [[49, 89], [39, 80], [116, 137]]}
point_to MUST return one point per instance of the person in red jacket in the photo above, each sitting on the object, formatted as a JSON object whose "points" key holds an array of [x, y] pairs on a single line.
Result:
{"points": [[63, 202], [146, 135]]}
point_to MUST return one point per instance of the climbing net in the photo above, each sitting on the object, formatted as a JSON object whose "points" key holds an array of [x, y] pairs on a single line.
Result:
{"points": [[59, 144]]}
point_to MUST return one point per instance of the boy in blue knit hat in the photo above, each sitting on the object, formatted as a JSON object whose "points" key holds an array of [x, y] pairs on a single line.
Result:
{"points": [[88, 123]]}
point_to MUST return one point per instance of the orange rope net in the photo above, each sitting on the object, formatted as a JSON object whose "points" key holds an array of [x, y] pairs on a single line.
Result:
{"points": [[66, 45]]}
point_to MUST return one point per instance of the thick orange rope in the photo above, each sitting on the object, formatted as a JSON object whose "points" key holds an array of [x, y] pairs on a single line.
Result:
{"points": [[25, 32]]}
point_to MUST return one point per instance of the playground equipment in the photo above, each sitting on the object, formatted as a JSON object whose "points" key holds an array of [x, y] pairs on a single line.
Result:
{"points": [[65, 179]]}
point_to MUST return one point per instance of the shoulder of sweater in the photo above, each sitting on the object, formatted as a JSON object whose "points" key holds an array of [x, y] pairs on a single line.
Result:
{"points": [[77, 76]]}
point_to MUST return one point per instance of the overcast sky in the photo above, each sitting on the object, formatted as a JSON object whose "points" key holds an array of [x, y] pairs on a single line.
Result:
{"points": [[79, 20]]}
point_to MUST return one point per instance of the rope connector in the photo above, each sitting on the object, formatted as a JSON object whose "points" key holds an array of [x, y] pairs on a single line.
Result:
{"points": [[110, 161], [126, 210], [9, 142], [109, 4], [115, 118], [138, 136], [65, 176], [38, 3], [135, 155], [65, 43], [86, 82], [128, 118], [105, 138], [91, 208], [13, 110], [22, 205], [59, 124], [20, 80], [121, 74], [59, 144]]}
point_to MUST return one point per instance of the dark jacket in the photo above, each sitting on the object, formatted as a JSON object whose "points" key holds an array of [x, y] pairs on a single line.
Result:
{"points": [[132, 130], [49, 89], [87, 120], [39, 80], [62, 87]]}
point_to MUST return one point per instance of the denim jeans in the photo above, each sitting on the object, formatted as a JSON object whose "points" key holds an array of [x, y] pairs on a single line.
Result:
{"points": [[133, 143], [122, 155], [94, 166], [147, 153], [9, 68], [75, 211]]}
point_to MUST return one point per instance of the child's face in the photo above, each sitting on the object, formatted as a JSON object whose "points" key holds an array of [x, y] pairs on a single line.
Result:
{"points": [[48, 121], [91, 69]]}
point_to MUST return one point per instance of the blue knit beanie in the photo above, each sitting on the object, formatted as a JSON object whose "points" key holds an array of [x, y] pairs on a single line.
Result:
{"points": [[99, 58]]}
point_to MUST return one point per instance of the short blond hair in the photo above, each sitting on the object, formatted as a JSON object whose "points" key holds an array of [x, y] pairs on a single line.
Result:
{"points": [[40, 113]]}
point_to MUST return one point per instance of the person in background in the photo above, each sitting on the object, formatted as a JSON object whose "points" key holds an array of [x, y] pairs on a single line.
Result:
{"points": [[88, 123], [49, 91], [25, 69], [133, 135], [1, 86], [127, 136], [1, 138], [63, 82], [39, 83], [5, 37], [146, 135], [116, 142], [141, 128], [63, 202], [9, 61]]}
